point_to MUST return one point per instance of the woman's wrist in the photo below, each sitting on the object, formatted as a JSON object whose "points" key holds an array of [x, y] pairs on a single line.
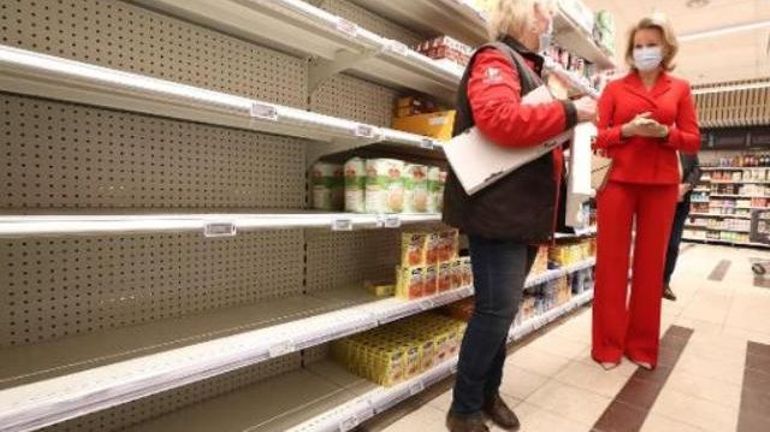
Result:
{"points": [[625, 131]]}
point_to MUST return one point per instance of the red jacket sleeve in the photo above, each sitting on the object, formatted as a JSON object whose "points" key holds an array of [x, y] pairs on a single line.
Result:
{"points": [[608, 134], [685, 134], [494, 93]]}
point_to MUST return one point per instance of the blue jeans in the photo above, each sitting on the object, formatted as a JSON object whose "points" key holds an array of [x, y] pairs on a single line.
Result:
{"points": [[499, 269], [682, 210]]}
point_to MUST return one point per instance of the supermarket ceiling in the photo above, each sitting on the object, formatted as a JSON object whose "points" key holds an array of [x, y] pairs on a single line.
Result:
{"points": [[728, 57]]}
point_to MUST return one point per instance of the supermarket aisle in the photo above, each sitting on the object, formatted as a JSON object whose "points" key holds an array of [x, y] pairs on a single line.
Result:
{"points": [[717, 328]]}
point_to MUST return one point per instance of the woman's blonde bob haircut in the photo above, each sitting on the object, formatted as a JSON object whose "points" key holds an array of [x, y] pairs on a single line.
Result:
{"points": [[670, 43], [514, 17]]}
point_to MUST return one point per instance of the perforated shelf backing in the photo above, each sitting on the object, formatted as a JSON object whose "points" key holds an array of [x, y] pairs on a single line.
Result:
{"points": [[339, 260], [123, 416], [54, 288], [355, 99], [370, 21], [119, 35], [58, 155]]}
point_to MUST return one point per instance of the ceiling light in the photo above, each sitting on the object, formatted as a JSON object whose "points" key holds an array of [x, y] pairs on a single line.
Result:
{"points": [[724, 30], [697, 4]]}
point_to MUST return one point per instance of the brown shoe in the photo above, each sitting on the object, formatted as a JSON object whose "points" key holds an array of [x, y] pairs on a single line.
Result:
{"points": [[474, 423], [668, 294], [497, 411]]}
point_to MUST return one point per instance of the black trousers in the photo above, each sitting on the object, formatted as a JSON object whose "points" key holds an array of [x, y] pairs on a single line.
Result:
{"points": [[682, 210]]}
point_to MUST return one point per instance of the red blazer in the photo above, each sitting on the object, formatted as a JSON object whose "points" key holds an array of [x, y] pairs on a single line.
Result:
{"points": [[647, 160], [494, 93]]}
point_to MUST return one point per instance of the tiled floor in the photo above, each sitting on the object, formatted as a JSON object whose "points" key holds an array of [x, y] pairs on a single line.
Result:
{"points": [[718, 382]]}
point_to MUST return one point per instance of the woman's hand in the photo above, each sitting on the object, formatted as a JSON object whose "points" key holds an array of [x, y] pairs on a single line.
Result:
{"points": [[586, 109], [644, 126]]}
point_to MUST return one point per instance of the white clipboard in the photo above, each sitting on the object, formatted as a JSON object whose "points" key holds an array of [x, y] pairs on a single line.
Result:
{"points": [[478, 162]]}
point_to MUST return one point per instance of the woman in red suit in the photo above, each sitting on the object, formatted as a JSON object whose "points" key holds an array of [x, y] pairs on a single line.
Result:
{"points": [[644, 119]]}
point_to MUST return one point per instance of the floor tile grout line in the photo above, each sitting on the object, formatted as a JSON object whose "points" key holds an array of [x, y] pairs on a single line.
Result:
{"points": [[657, 383]]}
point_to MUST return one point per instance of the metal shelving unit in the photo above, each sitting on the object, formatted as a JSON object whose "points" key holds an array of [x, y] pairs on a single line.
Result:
{"points": [[324, 397], [41, 75], [463, 22], [147, 294], [211, 225], [723, 242], [336, 43], [60, 386]]}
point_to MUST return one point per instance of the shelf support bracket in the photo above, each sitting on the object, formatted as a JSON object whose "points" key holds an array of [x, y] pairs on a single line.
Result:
{"points": [[321, 70]]}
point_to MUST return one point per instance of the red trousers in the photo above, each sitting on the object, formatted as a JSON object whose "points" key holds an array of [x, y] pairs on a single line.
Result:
{"points": [[622, 325]]}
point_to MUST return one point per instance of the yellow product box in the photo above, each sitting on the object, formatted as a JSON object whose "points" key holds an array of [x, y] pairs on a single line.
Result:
{"points": [[437, 125], [432, 253], [411, 282], [457, 274], [431, 280], [450, 245], [467, 269], [445, 276], [413, 245], [381, 289]]}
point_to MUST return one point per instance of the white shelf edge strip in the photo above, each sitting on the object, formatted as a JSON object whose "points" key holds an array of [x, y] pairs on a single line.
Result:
{"points": [[348, 416], [20, 226], [727, 242], [28, 72], [47, 402]]}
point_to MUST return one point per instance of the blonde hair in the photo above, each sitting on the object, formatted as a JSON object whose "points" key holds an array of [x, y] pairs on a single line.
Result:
{"points": [[670, 42], [514, 17]]}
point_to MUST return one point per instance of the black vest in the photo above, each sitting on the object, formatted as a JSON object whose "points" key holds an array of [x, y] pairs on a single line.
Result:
{"points": [[519, 207]]}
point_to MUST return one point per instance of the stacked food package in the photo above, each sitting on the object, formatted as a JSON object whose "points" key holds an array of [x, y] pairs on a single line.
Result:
{"points": [[540, 265], [328, 186], [570, 253], [446, 49], [422, 115], [377, 186], [430, 264], [398, 351]]}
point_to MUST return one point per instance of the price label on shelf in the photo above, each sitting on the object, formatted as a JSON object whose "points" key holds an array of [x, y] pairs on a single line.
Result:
{"points": [[264, 111], [364, 131], [428, 143], [219, 229], [427, 304], [342, 224], [349, 423], [416, 387], [347, 27], [391, 221], [282, 348], [397, 47], [453, 368]]}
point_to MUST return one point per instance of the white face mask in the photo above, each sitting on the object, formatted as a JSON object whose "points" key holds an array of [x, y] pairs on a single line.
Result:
{"points": [[648, 58]]}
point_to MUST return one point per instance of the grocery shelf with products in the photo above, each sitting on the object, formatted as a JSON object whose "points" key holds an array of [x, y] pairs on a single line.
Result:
{"points": [[731, 189], [232, 191]]}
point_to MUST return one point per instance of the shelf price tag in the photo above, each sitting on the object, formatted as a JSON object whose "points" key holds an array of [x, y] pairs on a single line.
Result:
{"points": [[349, 423], [342, 224], [364, 131], [427, 143], [416, 387], [219, 229], [391, 221], [427, 304], [397, 47], [264, 111], [282, 348], [347, 27]]}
